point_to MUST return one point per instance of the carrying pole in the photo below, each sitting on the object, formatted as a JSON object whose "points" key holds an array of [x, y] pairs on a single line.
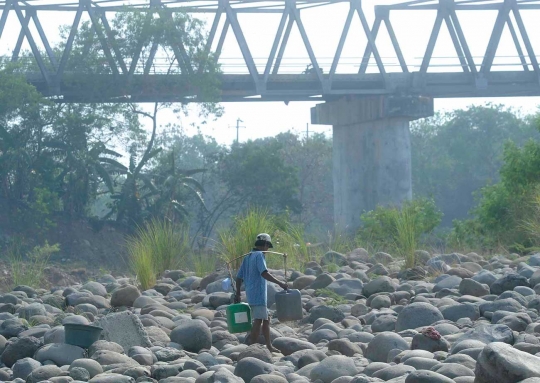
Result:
{"points": [[284, 255]]}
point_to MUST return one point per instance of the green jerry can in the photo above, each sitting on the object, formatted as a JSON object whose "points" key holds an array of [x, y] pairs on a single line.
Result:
{"points": [[289, 305], [238, 318]]}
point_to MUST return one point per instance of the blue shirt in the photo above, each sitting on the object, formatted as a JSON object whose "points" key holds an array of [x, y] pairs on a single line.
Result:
{"points": [[250, 272]]}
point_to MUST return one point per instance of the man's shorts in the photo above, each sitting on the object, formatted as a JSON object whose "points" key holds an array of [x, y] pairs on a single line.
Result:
{"points": [[259, 312]]}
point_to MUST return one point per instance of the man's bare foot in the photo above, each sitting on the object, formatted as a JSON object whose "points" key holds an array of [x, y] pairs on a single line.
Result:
{"points": [[272, 348]]}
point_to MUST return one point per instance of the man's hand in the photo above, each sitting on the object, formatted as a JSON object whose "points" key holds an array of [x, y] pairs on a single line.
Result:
{"points": [[237, 298], [284, 285]]}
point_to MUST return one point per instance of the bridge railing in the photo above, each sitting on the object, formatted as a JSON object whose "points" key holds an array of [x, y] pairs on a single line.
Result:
{"points": [[378, 70]]}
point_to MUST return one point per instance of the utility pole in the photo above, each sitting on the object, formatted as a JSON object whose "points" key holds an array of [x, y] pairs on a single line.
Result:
{"points": [[238, 127], [307, 130]]}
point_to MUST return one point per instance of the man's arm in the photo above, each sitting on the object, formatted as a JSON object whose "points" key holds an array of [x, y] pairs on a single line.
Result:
{"points": [[270, 278], [238, 287]]}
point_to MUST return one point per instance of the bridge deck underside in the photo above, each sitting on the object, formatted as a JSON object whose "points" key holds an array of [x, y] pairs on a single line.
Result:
{"points": [[167, 88]]}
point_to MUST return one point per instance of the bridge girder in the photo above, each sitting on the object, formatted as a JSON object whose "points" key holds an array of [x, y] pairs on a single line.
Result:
{"points": [[125, 78]]}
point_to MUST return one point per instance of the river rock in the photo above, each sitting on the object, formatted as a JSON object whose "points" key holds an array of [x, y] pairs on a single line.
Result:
{"points": [[379, 347], [125, 296], [332, 368], [60, 353], [501, 363], [193, 335], [416, 315], [19, 348]]}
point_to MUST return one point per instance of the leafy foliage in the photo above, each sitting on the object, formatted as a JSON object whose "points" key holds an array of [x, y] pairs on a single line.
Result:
{"points": [[458, 153], [505, 208], [399, 229], [256, 173]]}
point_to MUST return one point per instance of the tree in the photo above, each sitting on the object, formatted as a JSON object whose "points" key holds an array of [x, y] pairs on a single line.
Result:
{"points": [[312, 157], [71, 151], [256, 173], [456, 154]]}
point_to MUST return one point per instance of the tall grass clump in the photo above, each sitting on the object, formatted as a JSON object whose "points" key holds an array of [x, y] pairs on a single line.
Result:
{"points": [[291, 239], [28, 269], [158, 246], [240, 237], [287, 238], [399, 229], [204, 264], [339, 241], [407, 234]]}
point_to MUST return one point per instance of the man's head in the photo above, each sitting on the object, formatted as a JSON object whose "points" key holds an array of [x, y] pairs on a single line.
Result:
{"points": [[263, 242]]}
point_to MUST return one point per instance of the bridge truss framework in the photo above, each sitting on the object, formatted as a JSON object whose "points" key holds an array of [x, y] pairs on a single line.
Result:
{"points": [[133, 78]]}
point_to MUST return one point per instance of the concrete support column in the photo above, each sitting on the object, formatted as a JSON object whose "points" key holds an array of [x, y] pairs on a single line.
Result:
{"points": [[371, 153]]}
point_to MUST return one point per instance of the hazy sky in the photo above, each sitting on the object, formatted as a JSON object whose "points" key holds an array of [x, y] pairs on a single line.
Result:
{"points": [[324, 26]]}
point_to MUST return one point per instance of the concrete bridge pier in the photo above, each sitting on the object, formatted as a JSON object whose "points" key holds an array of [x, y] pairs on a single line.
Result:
{"points": [[371, 151]]}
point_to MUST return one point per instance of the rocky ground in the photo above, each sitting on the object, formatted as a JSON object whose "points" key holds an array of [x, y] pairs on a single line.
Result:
{"points": [[457, 318]]}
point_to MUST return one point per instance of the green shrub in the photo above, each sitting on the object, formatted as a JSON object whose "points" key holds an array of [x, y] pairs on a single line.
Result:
{"points": [[333, 299], [28, 270], [399, 230], [506, 210], [332, 268], [158, 246]]}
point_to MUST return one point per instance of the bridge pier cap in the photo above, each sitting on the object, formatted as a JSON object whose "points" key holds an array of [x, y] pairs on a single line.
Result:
{"points": [[371, 151]]}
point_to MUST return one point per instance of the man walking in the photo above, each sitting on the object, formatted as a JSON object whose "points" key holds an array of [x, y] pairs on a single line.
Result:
{"points": [[254, 274]]}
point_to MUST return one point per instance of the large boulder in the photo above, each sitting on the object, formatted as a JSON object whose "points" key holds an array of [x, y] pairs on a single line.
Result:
{"points": [[507, 304], [379, 285], [489, 333], [288, 346], [508, 283], [334, 257], [321, 281], [19, 348], [24, 367], [462, 310], [125, 296], [346, 286], [44, 373], [257, 351], [422, 376], [248, 368], [60, 353], [471, 287], [501, 363], [332, 368], [304, 281], [379, 347], [451, 282], [32, 309], [95, 288], [327, 312], [192, 335], [416, 315]]}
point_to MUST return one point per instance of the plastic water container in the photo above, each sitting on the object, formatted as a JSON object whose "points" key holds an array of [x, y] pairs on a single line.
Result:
{"points": [[226, 285], [289, 305], [238, 318]]}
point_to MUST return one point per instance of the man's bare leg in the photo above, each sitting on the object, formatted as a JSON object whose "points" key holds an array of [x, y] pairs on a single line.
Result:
{"points": [[266, 333], [255, 331]]}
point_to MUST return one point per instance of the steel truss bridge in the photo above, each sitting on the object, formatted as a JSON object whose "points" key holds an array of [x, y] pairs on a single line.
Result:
{"points": [[135, 78]]}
